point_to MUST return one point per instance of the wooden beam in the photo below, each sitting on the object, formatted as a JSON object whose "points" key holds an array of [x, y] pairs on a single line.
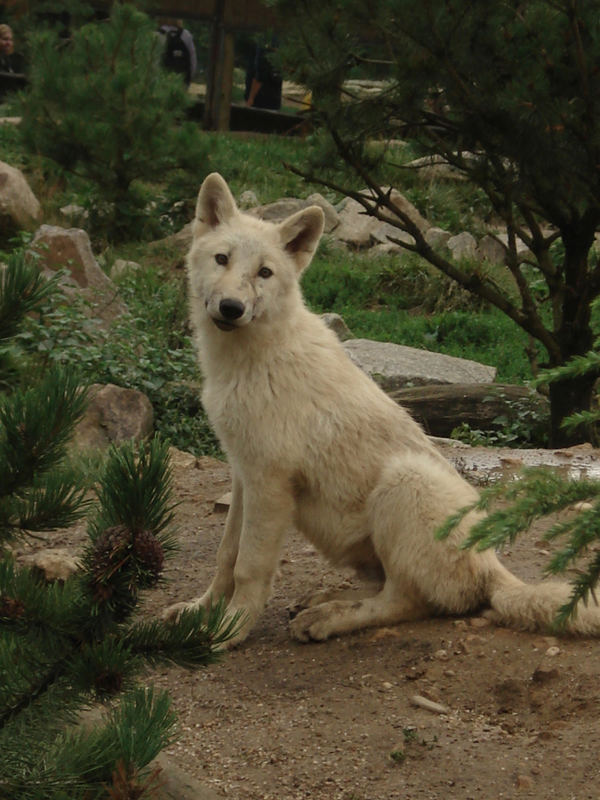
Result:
{"points": [[219, 80]]}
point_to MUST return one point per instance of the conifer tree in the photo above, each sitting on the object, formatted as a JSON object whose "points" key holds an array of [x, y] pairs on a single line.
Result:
{"points": [[101, 108], [507, 94], [64, 646]]}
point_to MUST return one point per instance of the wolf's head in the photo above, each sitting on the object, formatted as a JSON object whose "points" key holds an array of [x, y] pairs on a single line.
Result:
{"points": [[242, 269]]}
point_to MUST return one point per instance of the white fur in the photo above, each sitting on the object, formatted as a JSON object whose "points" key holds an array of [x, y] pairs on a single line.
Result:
{"points": [[314, 443]]}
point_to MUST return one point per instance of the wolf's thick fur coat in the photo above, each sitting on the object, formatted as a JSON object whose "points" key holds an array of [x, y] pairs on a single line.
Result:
{"points": [[314, 443]]}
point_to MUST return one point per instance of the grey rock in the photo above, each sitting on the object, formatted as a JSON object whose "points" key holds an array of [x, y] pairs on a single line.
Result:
{"points": [[19, 207], [386, 248], [437, 237], [384, 233], [337, 325], [248, 199], [406, 207], [490, 249], [281, 209], [523, 252], [122, 267], [74, 213], [53, 565], [114, 415], [356, 228], [394, 366], [435, 167], [332, 219], [69, 248], [463, 245]]}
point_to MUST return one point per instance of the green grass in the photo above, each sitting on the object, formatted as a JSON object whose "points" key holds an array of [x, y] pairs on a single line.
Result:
{"points": [[386, 299]]}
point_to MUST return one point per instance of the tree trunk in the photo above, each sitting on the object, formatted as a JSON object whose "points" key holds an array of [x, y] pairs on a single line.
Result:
{"points": [[573, 333], [568, 397]]}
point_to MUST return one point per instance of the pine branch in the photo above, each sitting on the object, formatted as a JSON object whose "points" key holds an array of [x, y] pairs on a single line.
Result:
{"points": [[23, 289], [35, 427], [57, 503], [197, 638], [80, 760], [533, 495], [536, 493], [135, 491]]}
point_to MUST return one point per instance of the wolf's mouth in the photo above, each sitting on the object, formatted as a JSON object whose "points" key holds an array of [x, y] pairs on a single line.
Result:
{"points": [[223, 325]]}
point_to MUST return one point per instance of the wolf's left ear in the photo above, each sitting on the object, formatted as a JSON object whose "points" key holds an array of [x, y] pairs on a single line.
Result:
{"points": [[300, 234], [215, 204]]}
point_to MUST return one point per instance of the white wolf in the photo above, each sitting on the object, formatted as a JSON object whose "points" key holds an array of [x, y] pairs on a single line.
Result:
{"points": [[314, 443]]}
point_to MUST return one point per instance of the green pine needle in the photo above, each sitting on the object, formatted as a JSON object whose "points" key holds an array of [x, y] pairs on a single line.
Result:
{"points": [[23, 289], [135, 491], [196, 638]]}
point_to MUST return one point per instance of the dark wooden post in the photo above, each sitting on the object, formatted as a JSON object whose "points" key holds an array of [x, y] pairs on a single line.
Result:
{"points": [[220, 72]]}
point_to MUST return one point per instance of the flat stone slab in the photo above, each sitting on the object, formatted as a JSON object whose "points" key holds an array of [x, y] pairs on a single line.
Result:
{"points": [[394, 366]]}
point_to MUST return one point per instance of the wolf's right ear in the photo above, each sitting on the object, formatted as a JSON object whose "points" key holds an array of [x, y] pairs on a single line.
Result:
{"points": [[215, 204]]}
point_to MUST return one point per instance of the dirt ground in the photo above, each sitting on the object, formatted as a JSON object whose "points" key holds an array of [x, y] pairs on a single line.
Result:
{"points": [[337, 721], [278, 720]]}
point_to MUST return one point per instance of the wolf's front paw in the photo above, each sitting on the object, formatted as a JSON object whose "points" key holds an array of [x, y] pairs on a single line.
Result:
{"points": [[172, 613], [312, 624]]}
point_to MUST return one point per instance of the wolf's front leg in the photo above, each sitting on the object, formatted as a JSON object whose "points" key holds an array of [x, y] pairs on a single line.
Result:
{"points": [[222, 584], [268, 515]]}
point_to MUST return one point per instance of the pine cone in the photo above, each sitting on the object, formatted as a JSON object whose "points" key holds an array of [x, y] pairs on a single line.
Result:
{"points": [[108, 556], [149, 554], [110, 548], [11, 608]]}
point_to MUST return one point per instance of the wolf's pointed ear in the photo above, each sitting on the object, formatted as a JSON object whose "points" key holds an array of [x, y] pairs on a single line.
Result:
{"points": [[215, 204], [300, 234]]}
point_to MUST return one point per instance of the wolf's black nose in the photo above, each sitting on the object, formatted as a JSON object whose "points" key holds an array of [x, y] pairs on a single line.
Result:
{"points": [[231, 309]]}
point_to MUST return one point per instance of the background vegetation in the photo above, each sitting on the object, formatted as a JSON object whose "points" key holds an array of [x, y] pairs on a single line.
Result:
{"points": [[386, 298], [506, 93], [133, 207]]}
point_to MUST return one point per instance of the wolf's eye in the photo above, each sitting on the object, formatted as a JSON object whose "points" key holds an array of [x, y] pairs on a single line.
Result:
{"points": [[222, 259], [265, 272]]}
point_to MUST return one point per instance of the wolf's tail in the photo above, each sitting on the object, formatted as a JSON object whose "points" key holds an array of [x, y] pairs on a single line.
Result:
{"points": [[534, 607]]}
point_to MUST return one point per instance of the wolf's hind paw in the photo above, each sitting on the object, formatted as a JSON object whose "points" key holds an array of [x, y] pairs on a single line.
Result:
{"points": [[310, 625]]}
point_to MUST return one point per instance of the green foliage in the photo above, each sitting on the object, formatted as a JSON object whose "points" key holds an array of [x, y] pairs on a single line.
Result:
{"points": [[520, 425], [64, 645], [535, 494], [22, 291], [157, 359], [102, 108], [378, 298], [242, 161], [499, 91]]}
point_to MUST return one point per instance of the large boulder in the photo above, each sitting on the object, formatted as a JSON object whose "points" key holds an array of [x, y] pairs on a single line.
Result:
{"points": [[483, 407], [356, 228], [281, 209], [19, 207], [394, 366], [114, 415], [70, 249], [359, 230]]}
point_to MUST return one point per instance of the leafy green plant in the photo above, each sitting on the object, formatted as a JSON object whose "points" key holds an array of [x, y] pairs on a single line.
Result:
{"points": [[157, 359], [104, 110]]}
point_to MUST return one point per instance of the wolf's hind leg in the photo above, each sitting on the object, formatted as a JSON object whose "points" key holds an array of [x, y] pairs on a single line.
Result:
{"points": [[317, 598], [388, 607]]}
